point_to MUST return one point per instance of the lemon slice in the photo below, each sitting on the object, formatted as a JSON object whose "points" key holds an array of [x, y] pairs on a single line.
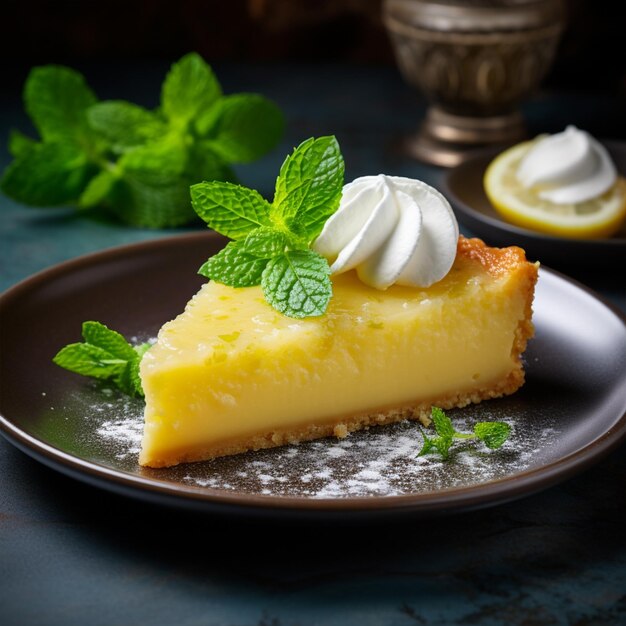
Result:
{"points": [[600, 217]]}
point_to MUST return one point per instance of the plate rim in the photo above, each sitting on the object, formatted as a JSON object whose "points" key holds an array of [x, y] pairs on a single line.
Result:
{"points": [[450, 499], [503, 226]]}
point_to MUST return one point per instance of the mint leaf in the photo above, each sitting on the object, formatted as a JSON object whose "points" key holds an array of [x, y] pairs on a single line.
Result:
{"points": [[190, 87], [151, 206], [88, 360], [97, 334], [124, 125], [98, 189], [443, 424], [437, 444], [152, 188], [129, 381], [135, 378], [493, 434], [162, 152], [105, 355], [56, 99], [19, 143], [234, 267], [204, 164], [158, 164], [445, 430], [295, 280], [229, 209], [243, 127], [428, 444], [48, 174], [265, 242], [309, 187], [297, 283], [443, 445], [142, 348]]}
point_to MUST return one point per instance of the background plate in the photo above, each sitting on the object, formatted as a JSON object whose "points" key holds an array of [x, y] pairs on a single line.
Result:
{"points": [[463, 186], [570, 412]]}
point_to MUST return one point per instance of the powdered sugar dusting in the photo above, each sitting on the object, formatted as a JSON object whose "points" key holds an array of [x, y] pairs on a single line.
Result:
{"points": [[128, 430], [115, 423], [381, 461]]}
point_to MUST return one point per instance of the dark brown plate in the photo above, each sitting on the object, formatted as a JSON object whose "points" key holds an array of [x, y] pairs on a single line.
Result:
{"points": [[570, 412], [463, 186]]}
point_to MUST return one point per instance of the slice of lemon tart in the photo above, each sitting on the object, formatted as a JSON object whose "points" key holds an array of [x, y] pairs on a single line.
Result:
{"points": [[231, 374]]}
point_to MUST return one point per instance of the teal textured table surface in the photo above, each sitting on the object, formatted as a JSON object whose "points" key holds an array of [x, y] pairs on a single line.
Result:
{"points": [[72, 554]]}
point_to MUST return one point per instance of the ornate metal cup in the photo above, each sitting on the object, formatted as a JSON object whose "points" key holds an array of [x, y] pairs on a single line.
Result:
{"points": [[475, 60]]}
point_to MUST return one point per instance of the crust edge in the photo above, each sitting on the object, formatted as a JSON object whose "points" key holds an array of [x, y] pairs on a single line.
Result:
{"points": [[341, 427]]}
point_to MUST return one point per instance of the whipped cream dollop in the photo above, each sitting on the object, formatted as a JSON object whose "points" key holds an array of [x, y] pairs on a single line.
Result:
{"points": [[392, 230], [568, 167]]}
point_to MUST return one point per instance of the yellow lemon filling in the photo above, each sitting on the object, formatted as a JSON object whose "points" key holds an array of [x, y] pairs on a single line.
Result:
{"points": [[231, 374]]}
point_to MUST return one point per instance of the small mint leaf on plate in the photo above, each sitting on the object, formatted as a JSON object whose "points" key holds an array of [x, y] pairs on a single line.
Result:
{"points": [[443, 424], [439, 444], [129, 381], [89, 360], [97, 334], [493, 434], [443, 445], [428, 444], [104, 355]]}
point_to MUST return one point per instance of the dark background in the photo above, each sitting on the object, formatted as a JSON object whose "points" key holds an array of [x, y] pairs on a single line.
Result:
{"points": [[591, 58]]}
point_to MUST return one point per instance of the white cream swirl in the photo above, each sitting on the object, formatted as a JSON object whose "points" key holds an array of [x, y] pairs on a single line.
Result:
{"points": [[392, 230], [567, 168]]}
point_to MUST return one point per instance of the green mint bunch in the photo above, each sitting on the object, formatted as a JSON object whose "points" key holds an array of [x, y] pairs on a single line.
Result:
{"points": [[492, 434], [105, 355], [136, 163], [271, 241]]}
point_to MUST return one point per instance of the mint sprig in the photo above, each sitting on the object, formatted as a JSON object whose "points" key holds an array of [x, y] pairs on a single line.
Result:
{"points": [[492, 434], [105, 355], [271, 240], [135, 163]]}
